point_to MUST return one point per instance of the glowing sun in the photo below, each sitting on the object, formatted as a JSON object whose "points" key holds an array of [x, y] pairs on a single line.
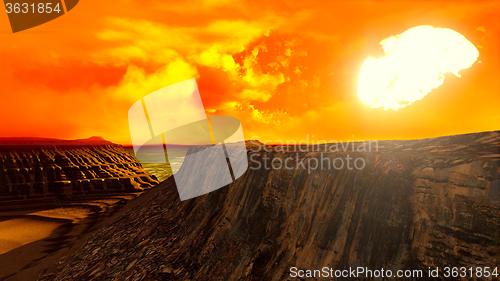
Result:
{"points": [[414, 63]]}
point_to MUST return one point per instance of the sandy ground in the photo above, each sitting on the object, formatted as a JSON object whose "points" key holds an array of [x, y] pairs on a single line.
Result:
{"points": [[17, 232], [34, 237]]}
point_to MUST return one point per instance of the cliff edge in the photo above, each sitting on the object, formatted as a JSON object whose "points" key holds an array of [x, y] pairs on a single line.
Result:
{"points": [[432, 202]]}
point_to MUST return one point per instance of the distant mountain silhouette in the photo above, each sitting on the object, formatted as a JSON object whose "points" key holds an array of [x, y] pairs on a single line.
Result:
{"points": [[22, 141]]}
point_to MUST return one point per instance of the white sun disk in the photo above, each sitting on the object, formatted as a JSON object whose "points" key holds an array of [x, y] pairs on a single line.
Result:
{"points": [[415, 62]]}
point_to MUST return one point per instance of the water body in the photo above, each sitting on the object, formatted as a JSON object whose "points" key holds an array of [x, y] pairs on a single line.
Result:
{"points": [[152, 159]]}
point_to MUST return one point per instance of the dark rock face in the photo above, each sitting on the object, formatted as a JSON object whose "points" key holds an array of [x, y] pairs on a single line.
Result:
{"points": [[31, 171], [433, 202]]}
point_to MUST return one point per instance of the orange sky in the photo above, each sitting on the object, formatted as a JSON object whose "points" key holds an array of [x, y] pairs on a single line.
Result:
{"points": [[287, 70]]}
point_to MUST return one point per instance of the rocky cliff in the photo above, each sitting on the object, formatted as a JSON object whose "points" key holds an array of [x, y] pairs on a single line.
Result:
{"points": [[432, 202], [34, 168]]}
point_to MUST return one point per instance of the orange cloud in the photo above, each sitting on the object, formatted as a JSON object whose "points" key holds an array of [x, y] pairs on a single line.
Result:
{"points": [[287, 70]]}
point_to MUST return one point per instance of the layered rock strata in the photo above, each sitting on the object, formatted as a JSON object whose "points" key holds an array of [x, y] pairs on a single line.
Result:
{"points": [[433, 202], [33, 171]]}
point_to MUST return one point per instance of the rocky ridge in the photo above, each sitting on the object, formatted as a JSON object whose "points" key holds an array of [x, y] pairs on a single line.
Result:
{"points": [[432, 202], [37, 168]]}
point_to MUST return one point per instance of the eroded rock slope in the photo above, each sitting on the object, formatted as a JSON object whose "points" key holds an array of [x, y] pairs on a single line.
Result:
{"points": [[40, 168], [432, 202]]}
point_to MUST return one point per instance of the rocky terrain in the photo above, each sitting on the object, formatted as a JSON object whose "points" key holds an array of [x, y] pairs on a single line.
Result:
{"points": [[33, 168], [431, 202]]}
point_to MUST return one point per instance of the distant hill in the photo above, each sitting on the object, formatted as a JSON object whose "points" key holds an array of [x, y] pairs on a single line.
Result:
{"points": [[28, 141]]}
